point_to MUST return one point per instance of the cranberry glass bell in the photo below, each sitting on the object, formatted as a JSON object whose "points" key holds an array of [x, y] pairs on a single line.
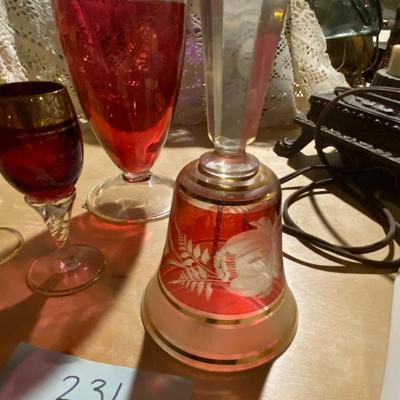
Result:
{"points": [[219, 300]]}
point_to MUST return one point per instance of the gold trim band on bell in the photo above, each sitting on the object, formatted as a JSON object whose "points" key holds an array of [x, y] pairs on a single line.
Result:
{"points": [[227, 178], [236, 208], [233, 189], [261, 314], [226, 188], [223, 202], [276, 349]]}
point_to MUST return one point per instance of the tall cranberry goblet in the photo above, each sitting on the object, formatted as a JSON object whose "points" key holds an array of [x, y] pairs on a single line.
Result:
{"points": [[125, 58], [41, 155]]}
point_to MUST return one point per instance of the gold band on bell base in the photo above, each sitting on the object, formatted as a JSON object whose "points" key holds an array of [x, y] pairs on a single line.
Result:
{"points": [[213, 346], [221, 365]]}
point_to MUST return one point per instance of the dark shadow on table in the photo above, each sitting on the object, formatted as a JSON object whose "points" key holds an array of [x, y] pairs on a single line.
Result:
{"points": [[267, 137], [344, 265], [246, 385], [62, 323]]}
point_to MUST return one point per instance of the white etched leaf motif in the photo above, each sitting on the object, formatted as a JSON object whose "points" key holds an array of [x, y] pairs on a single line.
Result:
{"points": [[196, 276], [209, 291], [190, 247], [188, 262], [197, 251], [202, 272], [200, 288], [205, 257], [189, 274], [173, 262]]}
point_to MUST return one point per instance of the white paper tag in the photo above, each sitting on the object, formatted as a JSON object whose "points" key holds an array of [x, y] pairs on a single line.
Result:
{"points": [[36, 374]]}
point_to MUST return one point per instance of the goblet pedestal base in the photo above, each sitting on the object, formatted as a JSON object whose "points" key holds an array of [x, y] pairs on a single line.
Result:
{"points": [[10, 243], [125, 200], [65, 271], [215, 344]]}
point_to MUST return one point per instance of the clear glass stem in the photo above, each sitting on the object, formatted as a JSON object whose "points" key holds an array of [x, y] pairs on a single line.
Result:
{"points": [[133, 178], [67, 259], [234, 165], [240, 41], [57, 217], [69, 268]]}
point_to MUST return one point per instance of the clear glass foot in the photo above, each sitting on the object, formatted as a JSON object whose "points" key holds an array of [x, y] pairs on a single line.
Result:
{"points": [[65, 271], [10, 243], [127, 199]]}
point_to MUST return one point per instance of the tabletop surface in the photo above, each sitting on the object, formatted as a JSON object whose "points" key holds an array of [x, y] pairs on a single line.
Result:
{"points": [[344, 309]]}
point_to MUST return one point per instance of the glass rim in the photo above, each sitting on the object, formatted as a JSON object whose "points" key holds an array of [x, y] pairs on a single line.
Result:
{"points": [[34, 104], [30, 89]]}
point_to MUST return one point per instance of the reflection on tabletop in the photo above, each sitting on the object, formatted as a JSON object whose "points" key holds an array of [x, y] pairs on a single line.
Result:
{"points": [[63, 323]]}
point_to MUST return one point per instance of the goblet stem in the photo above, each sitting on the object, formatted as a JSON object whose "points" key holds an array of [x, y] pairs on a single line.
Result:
{"points": [[71, 267], [132, 178], [56, 215]]}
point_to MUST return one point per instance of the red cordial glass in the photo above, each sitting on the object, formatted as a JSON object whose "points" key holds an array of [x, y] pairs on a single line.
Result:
{"points": [[41, 155], [125, 59], [43, 163]]}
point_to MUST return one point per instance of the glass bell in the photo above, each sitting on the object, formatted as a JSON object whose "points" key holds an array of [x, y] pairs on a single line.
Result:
{"points": [[219, 300]]}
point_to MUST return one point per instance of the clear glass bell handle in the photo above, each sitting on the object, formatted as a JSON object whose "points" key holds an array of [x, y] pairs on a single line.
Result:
{"points": [[240, 39]]}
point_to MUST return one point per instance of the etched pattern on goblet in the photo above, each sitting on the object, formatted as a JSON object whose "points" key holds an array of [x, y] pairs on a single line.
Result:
{"points": [[125, 59]]}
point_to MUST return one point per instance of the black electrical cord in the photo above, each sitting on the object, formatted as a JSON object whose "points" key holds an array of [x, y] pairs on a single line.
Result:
{"points": [[350, 180]]}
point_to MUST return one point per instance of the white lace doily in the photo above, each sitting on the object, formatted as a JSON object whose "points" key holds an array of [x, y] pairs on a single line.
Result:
{"points": [[312, 68], [10, 67], [29, 49]]}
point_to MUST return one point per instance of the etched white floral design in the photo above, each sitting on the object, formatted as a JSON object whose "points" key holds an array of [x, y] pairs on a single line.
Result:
{"points": [[193, 260], [246, 265], [251, 260]]}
